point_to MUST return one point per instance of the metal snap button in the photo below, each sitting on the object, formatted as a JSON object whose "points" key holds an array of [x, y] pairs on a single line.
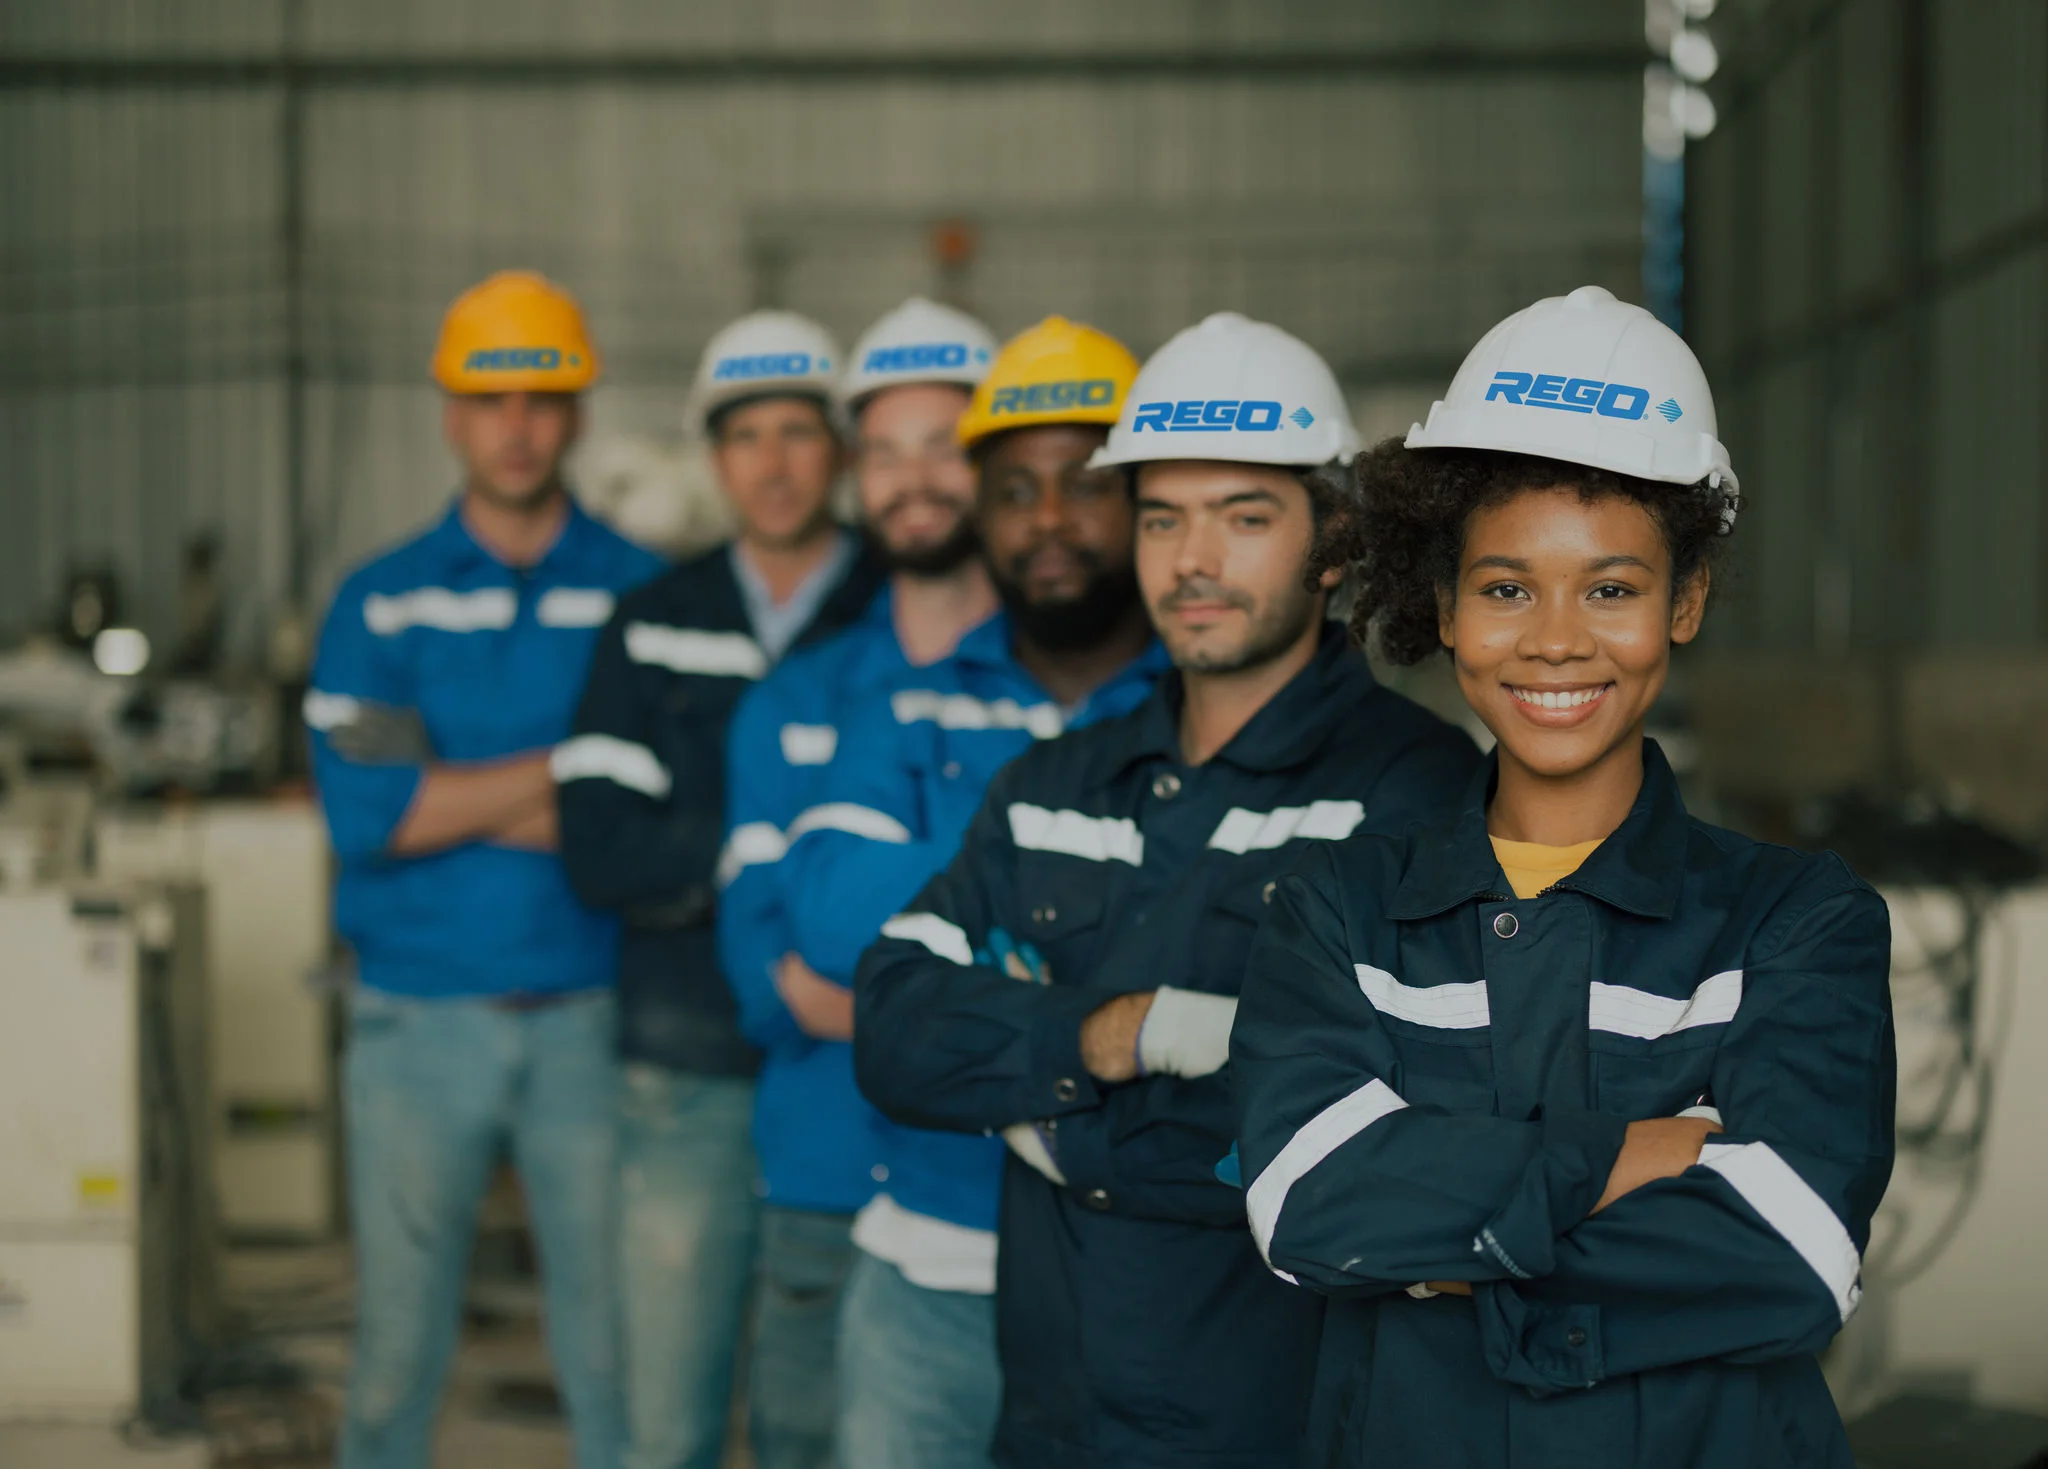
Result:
{"points": [[1047, 914], [879, 1173], [1166, 785], [1266, 892], [1576, 1337], [1065, 1089], [950, 770], [1098, 1198], [1505, 925]]}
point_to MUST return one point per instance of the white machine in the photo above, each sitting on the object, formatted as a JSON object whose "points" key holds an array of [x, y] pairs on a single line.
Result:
{"points": [[107, 1252], [264, 868]]}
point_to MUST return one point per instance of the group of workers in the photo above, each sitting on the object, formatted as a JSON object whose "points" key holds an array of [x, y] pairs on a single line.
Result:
{"points": [[1002, 982]]}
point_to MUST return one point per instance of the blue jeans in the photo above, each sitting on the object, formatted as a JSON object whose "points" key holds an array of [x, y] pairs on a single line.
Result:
{"points": [[799, 1281], [686, 1257], [434, 1089], [919, 1383]]}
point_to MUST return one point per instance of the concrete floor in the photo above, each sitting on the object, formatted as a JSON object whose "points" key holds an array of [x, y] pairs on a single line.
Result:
{"points": [[304, 1295]]}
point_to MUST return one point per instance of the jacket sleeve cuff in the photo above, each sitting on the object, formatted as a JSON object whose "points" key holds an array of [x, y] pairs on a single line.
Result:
{"points": [[1059, 1083], [1557, 1189], [1547, 1349]]}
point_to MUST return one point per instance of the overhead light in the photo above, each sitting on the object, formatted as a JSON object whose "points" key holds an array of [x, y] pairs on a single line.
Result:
{"points": [[120, 651], [1694, 111], [1693, 55]]}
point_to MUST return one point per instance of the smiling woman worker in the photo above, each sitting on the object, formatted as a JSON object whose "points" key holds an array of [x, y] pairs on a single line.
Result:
{"points": [[1484, 1069]]}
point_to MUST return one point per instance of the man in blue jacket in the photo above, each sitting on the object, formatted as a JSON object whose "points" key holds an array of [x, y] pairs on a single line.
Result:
{"points": [[643, 807], [1120, 874], [905, 387], [483, 1015], [919, 1382]]}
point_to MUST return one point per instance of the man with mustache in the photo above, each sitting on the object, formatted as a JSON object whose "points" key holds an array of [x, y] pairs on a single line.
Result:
{"points": [[905, 387], [919, 1382], [643, 817], [1070, 980]]}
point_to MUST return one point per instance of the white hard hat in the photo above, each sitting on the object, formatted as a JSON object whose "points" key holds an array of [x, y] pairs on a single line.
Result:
{"points": [[919, 342], [765, 354], [1234, 389], [1589, 380]]}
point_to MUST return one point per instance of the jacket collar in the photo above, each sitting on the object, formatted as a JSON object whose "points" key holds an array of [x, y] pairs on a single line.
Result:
{"points": [[452, 536], [987, 646], [1287, 732], [1638, 869]]}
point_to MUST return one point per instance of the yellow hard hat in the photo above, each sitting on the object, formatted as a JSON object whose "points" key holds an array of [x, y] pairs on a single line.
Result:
{"points": [[1056, 372], [517, 332]]}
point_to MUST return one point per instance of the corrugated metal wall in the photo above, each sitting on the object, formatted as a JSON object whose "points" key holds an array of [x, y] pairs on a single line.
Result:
{"points": [[1868, 236], [1385, 179]]}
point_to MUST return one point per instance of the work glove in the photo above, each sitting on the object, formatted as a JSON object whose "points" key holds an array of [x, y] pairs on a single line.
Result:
{"points": [[1186, 1033], [381, 734]]}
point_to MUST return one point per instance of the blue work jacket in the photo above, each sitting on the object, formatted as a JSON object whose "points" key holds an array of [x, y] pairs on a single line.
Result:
{"points": [[1137, 1324], [912, 766], [484, 660], [818, 1141], [1434, 1079], [643, 796]]}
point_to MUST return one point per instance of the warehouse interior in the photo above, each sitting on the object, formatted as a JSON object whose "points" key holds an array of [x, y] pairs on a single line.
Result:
{"points": [[230, 228]]}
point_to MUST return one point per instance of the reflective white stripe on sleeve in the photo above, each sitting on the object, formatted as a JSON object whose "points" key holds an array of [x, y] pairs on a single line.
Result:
{"points": [[1097, 838], [329, 711], [947, 940], [1619, 1010], [750, 844], [963, 711], [693, 650], [1257, 831], [606, 757], [860, 821], [487, 609], [809, 744], [1802, 1218], [574, 607], [1319, 1137], [1440, 1006]]}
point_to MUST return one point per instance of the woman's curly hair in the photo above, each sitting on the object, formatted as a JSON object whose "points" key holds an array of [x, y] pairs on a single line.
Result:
{"points": [[1399, 528]]}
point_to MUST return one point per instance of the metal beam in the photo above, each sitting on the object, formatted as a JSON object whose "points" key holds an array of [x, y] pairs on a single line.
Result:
{"points": [[925, 66]]}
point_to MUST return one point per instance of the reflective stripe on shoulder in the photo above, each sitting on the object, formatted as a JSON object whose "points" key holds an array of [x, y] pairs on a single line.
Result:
{"points": [[1096, 838], [751, 844], [487, 609], [947, 940], [1802, 1218], [1257, 831], [1619, 1010], [1439, 1006], [964, 711], [606, 757], [809, 744], [693, 650], [855, 820], [329, 711], [574, 607], [1319, 1137]]}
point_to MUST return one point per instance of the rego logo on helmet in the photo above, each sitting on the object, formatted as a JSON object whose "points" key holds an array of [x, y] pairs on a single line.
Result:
{"points": [[1568, 394], [772, 364], [920, 357], [1046, 397], [1215, 415], [513, 359]]}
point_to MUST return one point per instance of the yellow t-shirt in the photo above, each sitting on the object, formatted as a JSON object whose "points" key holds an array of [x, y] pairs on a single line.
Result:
{"points": [[1531, 867]]}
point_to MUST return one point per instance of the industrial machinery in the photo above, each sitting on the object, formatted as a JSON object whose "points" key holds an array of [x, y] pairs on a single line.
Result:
{"points": [[263, 866], [108, 1298]]}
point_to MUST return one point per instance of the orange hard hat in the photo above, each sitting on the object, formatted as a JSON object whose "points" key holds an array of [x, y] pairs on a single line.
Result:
{"points": [[516, 332]]}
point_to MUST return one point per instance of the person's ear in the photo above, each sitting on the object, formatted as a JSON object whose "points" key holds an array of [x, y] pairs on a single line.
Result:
{"points": [[1331, 579], [1689, 607], [1446, 603]]}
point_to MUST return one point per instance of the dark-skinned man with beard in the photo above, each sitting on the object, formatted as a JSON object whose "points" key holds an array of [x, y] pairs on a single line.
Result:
{"points": [[1120, 874], [920, 1386]]}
